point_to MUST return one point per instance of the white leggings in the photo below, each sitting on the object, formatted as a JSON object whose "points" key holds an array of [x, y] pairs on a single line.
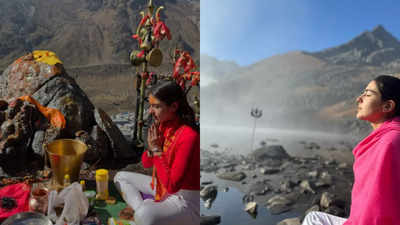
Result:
{"points": [[182, 207], [321, 218]]}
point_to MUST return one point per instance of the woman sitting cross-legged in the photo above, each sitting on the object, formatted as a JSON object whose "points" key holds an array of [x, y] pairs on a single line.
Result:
{"points": [[174, 153]]}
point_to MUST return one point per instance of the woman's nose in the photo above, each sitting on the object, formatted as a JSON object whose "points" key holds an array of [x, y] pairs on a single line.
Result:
{"points": [[359, 99]]}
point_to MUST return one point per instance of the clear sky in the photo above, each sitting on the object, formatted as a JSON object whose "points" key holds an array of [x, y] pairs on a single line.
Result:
{"points": [[248, 31]]}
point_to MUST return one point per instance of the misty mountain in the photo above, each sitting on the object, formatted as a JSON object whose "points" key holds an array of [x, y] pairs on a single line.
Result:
{"points": [[91, 32], [302, 89], [214, 70], [377, 47]]}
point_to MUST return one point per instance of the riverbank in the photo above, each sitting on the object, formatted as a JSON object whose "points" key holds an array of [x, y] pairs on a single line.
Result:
{"points": [[318, 177]]}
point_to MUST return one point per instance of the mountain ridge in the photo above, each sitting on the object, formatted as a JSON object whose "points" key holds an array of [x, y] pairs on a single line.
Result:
{"points": [[377, 47]]}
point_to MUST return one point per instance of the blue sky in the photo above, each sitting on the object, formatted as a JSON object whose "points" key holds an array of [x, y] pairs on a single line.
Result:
{"points": [[248, 31]]}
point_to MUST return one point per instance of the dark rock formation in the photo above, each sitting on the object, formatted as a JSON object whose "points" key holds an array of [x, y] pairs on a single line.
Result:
{"points": [[210, 220], [24, 129], [234, 176], [270, 152]]}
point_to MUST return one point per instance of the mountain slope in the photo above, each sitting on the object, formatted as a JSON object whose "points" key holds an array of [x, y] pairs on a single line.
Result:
{"points": [[87, 32]]}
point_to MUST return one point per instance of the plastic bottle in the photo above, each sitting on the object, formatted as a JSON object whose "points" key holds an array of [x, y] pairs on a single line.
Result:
{"points": [[102, 184], [83, 185]]}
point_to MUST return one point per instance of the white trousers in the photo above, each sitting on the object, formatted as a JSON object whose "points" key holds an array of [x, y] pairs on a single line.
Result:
{"points": [[321, 218], [182, 207]]}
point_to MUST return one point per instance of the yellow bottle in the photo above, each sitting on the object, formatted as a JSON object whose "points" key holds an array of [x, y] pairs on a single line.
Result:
{"points": [[102, 184], [83, 185]]}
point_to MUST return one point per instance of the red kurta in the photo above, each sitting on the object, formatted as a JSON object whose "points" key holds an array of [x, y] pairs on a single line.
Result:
{"points": [[178, 168]]}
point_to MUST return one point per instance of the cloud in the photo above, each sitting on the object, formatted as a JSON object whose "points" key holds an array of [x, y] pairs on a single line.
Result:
{"points": [[206, 80], [214, 70]]}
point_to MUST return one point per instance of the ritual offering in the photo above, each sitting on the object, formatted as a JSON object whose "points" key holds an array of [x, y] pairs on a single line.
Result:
{"points": [[102, 184], [115, 221], [38, 201]]}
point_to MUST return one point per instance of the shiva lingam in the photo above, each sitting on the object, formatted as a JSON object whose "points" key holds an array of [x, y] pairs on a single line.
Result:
{"points": [[66, 157]]}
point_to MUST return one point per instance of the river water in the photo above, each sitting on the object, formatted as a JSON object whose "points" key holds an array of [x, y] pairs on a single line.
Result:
{"points": [[237, 140], [230, 207]]}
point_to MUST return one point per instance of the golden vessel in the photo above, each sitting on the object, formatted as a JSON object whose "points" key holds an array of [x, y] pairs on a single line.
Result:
{"points": [[65, 156]]}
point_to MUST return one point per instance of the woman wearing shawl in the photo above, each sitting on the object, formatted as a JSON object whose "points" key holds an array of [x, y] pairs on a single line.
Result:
{"points": [[174, 153], [375, 194]]}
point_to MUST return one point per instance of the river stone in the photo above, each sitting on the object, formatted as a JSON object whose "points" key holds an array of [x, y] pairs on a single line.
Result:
{"points": [[286, 186], [325, 180], [208, 203], [342, 166], [326, 199], [330, 162], [247, 198], [279, 204], [305, 186], [206, 182], [269, 170], [233, 176], [270, 152], [251, 207], [209, 191], [313, 174], [210, 220], [334, 210], [290, 221]]}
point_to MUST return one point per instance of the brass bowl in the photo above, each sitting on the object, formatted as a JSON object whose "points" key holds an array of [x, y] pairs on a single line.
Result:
{"points": [[66, 156]]}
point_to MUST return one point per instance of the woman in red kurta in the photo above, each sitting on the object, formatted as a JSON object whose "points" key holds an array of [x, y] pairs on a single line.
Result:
{"points": [[375, 194], [174, 153]]}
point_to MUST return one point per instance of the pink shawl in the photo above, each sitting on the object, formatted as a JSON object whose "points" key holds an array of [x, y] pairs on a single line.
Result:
{"points": [[376, 189]]}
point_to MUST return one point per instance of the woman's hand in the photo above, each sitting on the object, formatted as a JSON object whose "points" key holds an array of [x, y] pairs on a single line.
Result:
{"points": [[154, 139]]}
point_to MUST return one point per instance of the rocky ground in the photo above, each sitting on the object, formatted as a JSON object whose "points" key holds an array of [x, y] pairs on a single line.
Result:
{"points": [[270, 177]]}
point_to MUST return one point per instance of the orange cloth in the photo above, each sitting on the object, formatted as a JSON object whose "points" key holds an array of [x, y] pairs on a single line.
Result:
{"points": [[55, 117]]}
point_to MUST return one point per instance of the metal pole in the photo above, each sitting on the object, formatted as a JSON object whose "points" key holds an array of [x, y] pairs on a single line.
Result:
{"points": [[254, 131], [141, 106]]}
